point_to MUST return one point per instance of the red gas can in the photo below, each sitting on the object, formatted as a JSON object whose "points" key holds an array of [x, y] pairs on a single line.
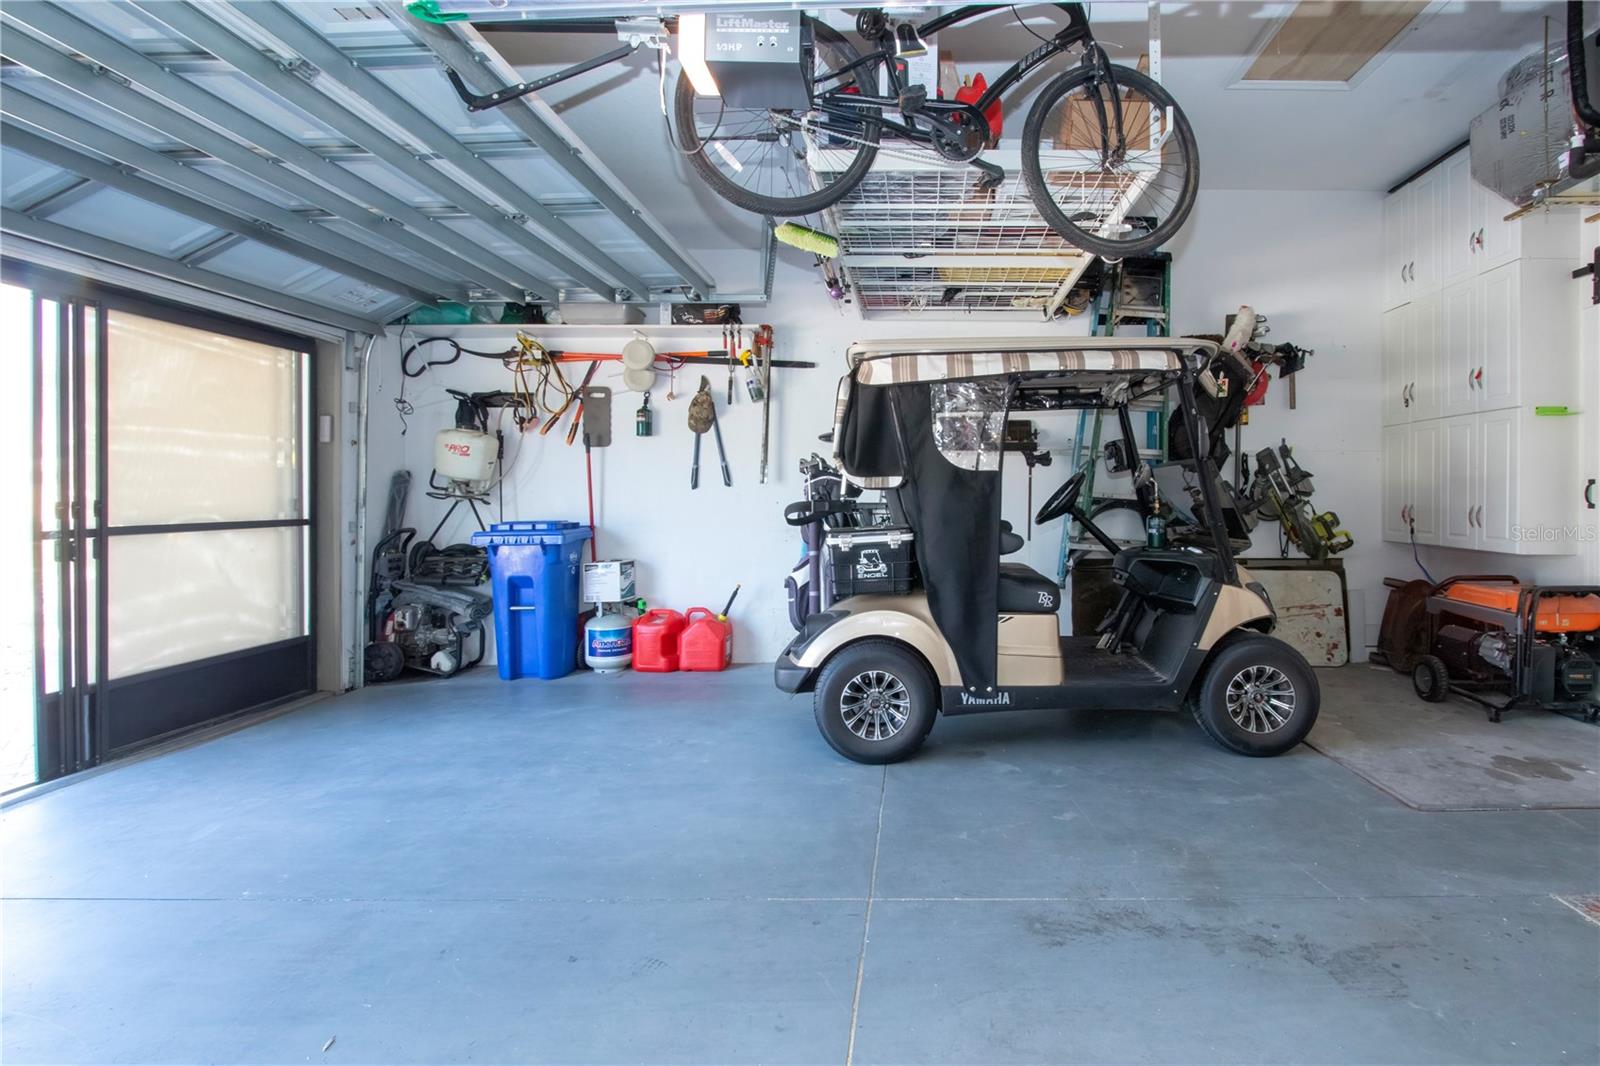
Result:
{"points": [[655, 641], [707, 642]]}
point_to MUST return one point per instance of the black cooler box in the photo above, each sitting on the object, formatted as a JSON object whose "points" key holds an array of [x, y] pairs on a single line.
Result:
{"points": [[869, 560]]}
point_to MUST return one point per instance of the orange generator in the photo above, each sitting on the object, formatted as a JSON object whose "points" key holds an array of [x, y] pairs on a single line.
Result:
{"points": [[1498, 642]]}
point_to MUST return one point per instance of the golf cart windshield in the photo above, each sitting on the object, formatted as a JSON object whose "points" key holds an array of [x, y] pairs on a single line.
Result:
{"points": [[926, 419]]}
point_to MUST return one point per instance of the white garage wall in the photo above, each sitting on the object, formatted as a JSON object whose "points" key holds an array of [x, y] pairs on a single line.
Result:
{"points": [[1306, 259], [1308, 262]]}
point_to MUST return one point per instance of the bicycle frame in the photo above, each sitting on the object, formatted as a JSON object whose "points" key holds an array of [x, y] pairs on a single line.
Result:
{"points": [[840, 104]]}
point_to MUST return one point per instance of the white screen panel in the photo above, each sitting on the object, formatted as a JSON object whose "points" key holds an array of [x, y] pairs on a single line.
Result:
{"points": [[204, 427], [178, 597]]}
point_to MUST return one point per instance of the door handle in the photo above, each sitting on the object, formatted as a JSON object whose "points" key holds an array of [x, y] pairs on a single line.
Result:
{"points": [[1480, 237], [1479, 377], [1479, 515], [1588, 495], [1472, 242], [1469, 517]]}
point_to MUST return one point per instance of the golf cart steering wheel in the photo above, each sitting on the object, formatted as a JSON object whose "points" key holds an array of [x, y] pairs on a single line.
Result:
{"points": [[1063, 501]]}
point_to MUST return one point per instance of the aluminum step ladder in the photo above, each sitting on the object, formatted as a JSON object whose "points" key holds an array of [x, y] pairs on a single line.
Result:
{"points": [[1136, 291]]}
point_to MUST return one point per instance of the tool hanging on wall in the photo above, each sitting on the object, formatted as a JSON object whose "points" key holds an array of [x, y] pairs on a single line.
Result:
{"points": [[595, 414], [642, 418], [1281, 492], [763, 347], [752, 381], [575, 398], [722, 453], [1022, 436], [702, 415], [538, 356], [536, 376]]}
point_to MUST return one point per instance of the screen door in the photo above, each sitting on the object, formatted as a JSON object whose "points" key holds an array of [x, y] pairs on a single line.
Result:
{"points": [[172, 570]]}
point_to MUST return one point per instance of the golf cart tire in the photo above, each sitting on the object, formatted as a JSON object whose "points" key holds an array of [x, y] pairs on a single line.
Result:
{"points": [[876, 657], [1239, 654], [1431, 679]]}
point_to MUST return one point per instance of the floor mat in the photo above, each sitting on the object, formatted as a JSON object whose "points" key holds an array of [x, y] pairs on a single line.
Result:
{"points": [[1448, 756]]}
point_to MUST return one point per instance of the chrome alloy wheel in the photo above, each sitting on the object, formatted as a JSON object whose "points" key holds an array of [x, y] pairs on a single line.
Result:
{"points": [[875, 705], [1260, 699]]}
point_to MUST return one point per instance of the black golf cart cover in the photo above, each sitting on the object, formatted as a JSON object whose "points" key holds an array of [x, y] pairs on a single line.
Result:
{"points": [[927, 418]]}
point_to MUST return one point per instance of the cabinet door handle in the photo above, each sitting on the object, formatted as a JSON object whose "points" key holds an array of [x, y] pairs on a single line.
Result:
{"points": [[1469, 516], [1469, 379], [1588, 495], [1479, 377], [1472, 242], [1479, 515], [1480, 236]]}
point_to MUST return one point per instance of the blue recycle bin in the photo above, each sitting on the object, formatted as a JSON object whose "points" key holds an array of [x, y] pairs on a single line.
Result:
{"points": [[534, 569]]}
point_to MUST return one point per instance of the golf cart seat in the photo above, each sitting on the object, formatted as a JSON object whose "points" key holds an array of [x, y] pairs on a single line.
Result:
{"points": [[1023, 590]]}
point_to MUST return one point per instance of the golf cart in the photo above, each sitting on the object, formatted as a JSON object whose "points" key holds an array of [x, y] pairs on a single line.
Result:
{"points": [[920, 615]]}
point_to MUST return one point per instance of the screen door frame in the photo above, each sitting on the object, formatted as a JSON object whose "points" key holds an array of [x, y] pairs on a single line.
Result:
{"points": [[94, 717]]}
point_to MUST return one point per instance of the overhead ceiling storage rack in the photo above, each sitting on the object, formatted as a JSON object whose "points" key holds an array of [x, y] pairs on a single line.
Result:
{"points": [[309, 155], [922, 234]]}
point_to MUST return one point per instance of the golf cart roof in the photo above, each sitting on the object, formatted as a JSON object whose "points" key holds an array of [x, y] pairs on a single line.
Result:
{"points": [[894, 362]]}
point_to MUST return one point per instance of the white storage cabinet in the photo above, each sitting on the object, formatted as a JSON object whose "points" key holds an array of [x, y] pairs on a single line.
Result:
{"points": [[1479, 328]]}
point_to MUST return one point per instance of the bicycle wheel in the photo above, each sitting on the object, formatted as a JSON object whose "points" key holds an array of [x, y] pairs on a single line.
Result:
{"points": [[758, 159], [1110, 206]]}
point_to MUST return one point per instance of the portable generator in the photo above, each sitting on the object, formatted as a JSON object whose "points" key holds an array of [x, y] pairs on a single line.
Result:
{"points": [[1537, 644]]}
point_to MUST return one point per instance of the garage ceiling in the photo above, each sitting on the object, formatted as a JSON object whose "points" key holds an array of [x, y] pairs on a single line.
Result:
{"points": [[311, 155], [1412, 103], [312, 152]]}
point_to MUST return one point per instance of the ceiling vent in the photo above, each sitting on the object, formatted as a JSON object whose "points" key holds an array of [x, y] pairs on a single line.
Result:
{"points": [[1327, 44]]}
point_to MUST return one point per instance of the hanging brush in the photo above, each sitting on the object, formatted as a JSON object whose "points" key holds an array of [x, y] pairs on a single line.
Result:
{"points": [[807, 239]]}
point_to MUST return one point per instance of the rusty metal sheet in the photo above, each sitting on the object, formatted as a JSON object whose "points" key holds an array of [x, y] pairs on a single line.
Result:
{"points": [[1311, 612]]}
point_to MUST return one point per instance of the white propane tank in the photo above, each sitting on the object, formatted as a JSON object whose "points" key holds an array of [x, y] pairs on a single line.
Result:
{"points": [[608, 642], [464, 455]]}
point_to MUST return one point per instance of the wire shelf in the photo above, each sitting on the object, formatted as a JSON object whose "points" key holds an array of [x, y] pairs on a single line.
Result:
{"points": [[913, 287], [922, 234]]}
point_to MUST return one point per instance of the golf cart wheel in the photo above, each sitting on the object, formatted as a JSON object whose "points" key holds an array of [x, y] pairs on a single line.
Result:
{"points": [[875, 702], [1430, 678], [1259, 697]]}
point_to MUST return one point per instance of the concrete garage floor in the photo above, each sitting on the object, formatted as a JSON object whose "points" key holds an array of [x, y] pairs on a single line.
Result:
{"points": [[676, 869]]}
